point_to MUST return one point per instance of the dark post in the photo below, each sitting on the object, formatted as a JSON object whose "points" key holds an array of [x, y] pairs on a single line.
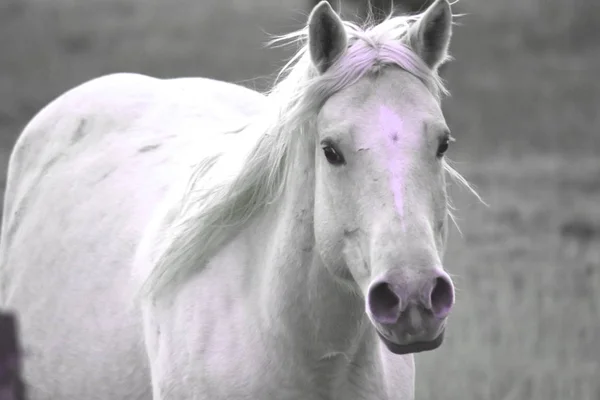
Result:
{"points": [[11, 385]]}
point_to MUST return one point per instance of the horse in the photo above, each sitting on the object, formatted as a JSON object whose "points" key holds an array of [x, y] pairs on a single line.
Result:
{"points": [[191, 238]]}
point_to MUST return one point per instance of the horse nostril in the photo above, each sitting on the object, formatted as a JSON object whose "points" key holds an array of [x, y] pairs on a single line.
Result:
{"points": [[442, 297], [384, 304]]}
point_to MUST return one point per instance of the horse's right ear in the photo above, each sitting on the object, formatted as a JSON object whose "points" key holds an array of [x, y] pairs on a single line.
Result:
{"points": [[327, 39]]}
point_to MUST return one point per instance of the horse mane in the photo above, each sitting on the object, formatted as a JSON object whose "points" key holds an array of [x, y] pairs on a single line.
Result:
{"points": [[206, 218]]}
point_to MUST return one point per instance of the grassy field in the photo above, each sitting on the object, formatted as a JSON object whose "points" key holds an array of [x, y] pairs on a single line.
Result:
{"points": [[524, 107]]}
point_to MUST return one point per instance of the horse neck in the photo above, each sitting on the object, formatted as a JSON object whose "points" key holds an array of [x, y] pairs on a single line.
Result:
{"points": [[303, 304]]}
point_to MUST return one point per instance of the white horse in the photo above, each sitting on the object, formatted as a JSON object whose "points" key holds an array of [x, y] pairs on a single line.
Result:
{"points": [[194, 239]]}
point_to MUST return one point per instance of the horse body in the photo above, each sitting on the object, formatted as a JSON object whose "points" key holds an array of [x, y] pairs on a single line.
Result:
{"points": [[85, 178], [280, 246]]}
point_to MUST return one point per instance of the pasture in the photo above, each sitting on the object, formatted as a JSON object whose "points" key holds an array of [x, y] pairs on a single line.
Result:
{"points": [[524, 103]]}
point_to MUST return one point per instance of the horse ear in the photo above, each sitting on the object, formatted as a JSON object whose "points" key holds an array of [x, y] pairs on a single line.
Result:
{"points": [[327, 39], [430, 36]]}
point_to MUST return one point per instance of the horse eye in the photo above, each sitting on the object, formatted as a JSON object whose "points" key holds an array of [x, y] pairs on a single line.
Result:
{"points": [[443, 147], [333, 156]]}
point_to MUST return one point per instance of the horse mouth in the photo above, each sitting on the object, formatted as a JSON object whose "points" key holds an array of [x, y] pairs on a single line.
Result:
{"points": [[411, 348]]}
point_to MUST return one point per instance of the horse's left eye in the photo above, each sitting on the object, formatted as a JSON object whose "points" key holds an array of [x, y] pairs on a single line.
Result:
{"points": [[443, 147]]}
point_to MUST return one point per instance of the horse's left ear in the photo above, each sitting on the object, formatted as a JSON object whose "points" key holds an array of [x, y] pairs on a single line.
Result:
{"points": [[430, 36], [327, 39]]}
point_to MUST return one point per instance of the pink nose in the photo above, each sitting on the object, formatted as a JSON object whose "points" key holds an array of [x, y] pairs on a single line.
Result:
{"points": [[388, 297]]}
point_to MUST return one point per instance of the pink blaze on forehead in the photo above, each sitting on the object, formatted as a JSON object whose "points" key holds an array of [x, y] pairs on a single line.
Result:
{"points": [[398, 141]]}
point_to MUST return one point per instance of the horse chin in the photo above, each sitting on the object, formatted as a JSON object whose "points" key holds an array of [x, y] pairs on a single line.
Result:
{"points": [[416, 347]]}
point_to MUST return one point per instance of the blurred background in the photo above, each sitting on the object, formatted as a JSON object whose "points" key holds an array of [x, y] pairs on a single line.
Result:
{"points": [[524, 109]]}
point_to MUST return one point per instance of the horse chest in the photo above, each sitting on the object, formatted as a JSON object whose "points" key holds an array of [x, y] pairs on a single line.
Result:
{"points": [[223, 365], [202, 355]]}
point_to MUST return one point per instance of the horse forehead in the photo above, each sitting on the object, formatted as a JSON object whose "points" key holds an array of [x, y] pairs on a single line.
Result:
{"points": [[403, 94], [397, 91]]}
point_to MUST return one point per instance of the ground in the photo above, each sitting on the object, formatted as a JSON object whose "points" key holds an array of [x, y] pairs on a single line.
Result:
{"points": [[524, 103]]}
